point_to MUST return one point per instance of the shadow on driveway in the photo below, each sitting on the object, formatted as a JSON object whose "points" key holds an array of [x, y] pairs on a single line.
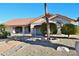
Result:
{"points": [[46, 43]]}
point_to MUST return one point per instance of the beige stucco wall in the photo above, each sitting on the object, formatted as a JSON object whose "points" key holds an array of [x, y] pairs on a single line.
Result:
{"points": [[40, 21], [72, 22]]}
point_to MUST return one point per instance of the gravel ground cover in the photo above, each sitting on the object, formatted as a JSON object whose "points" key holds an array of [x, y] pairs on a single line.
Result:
{"points": [[41, 47]]}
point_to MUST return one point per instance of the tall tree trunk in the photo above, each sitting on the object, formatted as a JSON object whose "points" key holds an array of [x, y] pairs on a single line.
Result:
{"points": [[48, 29], [47, 21]]}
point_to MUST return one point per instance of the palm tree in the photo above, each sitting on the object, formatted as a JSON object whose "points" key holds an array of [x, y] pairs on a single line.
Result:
{"points": [[47, 20]]}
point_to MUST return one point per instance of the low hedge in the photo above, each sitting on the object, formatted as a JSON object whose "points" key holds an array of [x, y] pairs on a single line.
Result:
{"points": [[68, 29]]}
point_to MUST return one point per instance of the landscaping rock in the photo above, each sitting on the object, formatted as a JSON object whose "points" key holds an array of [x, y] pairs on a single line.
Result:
{"points": [[77, 47], [60, 48], [54, 40]]}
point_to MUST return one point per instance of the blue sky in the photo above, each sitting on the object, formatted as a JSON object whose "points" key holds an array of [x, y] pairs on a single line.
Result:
{"points": [[9, 11]]}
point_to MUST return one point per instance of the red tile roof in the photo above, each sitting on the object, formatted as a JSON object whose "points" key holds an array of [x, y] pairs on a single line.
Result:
{"points": [[65, 17], [47, 15], [27, 21], [20, 22]]}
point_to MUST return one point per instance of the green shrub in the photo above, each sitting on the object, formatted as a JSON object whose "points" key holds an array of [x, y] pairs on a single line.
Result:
{"points": [[68, 29], [53, 28], [3, 33], [77, 30], [2, 27], [43, 28]]}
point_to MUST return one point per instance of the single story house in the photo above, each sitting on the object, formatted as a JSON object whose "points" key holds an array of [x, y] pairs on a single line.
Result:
{"points": [[26, 25]]}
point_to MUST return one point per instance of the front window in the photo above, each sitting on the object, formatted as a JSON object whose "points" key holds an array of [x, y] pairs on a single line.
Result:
{"points": [[18, 29]]}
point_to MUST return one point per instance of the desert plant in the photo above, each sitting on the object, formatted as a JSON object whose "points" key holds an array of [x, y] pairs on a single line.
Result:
{"points": [[68, 29]]}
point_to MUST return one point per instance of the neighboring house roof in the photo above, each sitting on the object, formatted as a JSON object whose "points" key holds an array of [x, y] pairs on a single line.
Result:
{"points": [[27, 21]]}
